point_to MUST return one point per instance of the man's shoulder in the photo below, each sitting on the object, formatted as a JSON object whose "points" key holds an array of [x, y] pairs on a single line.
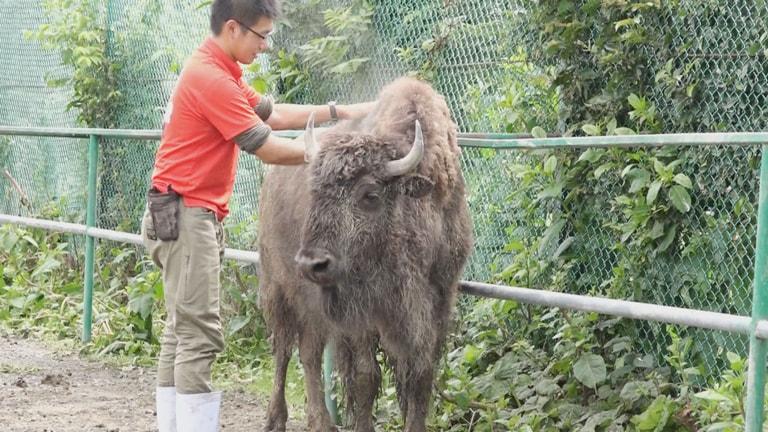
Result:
{"points": [[202, 72]]}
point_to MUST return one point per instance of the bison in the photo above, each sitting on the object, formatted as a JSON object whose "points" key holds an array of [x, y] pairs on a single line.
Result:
{"points": [[363, 248]]}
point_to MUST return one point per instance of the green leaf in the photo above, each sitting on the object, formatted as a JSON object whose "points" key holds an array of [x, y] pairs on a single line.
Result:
{"points": [[592, 155], [653, 192], [553, 191], [672, 165], [600, 419], [712, 395], [350, 66], [462, 399], [71, 288], [624, 131], [18, 302], [655, 417], [538, 132], [237, 323], [49, 264], [31, 241], [657, 230], [627, 169], [591, 129], [550, 234], [640, 179], [514, 245], [550, 164], [590, 369], [634, 390], [624, 200], [669, 237], [683, 181], [260, 85], [506, 368], [724, 426], [547, 387], [142, 305], [636, 102], [625, 22], [471, 353], [563, 247], [603, 168], [680, 198]]}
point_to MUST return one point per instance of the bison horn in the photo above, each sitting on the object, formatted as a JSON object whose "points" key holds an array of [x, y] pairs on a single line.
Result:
{"points": [[409, 162], [310, 145]]}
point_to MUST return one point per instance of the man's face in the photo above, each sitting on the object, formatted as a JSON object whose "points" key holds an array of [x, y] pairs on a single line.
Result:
{"points": [[249, 42]]}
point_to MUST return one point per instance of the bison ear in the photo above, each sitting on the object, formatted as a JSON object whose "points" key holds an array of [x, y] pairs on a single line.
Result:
{"points": [[417, 186]]}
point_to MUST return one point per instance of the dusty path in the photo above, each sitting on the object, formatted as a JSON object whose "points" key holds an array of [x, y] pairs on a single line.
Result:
{"points": [[43, 389]]}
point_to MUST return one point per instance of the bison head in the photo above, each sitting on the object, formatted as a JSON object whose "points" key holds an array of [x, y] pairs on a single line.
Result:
{"points": [[362, 194]]}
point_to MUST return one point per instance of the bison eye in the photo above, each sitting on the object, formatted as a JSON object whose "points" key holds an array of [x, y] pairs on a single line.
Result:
{"points": [[370, 201]]}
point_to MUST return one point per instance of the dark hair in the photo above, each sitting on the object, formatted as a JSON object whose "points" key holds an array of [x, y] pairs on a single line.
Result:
{"points": [[245, 11]]}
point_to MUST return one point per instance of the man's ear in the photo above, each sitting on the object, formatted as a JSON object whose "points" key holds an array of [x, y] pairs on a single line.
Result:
{"points": [[417, 186]]}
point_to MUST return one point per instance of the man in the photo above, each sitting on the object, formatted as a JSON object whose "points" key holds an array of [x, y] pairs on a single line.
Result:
{"points": [[212, 116]]}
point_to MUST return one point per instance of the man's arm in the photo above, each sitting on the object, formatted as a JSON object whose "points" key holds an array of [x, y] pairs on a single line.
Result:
{"points": [[281, 151], [294, 116], [272, 149]]}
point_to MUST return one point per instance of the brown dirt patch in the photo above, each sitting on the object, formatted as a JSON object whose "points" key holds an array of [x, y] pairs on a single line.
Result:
{"points": [[47, 389]]}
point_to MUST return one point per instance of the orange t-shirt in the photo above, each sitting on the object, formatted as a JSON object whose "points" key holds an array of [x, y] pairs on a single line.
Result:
{"points": [[210, 105]]}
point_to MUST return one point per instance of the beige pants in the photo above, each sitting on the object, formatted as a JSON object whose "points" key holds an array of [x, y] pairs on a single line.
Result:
{"points": [[191, 266]]}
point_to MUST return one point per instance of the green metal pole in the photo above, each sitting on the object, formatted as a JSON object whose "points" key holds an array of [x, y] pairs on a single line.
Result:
{"points": [[758, 348], [90, 222], [330, 403]]}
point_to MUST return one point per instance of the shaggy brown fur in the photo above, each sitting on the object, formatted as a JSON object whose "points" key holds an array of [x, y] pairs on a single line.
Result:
{"points": [[381, 257]]}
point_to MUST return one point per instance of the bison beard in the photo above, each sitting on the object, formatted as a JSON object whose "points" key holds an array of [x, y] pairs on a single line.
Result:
{"points": [[364, 248]]}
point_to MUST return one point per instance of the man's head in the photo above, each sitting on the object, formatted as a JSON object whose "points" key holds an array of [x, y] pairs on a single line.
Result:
{"points": [[242, 27]]}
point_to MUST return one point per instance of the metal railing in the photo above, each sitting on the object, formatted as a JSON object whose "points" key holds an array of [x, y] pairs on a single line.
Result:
{"points": [[756, 325]]}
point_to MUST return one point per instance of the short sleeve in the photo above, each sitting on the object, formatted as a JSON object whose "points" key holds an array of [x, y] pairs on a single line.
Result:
{"points": [[226, 105]]}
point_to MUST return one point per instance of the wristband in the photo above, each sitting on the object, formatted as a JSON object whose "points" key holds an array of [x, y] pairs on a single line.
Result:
{"points": [[332, 107]]}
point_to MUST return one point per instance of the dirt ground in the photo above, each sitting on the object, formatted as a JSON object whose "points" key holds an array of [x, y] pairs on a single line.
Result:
{"points": [[46, 389]]}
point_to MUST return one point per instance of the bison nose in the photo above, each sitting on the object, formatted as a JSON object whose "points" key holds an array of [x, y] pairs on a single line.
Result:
{"points": [[316, 265]]}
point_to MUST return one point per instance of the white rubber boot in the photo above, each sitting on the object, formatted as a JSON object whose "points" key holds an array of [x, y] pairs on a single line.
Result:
{"points": [[198, 412], [166, 409]]}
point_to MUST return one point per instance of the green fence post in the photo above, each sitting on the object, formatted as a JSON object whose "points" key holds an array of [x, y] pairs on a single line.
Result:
{"points": [[758, 348], [90, 221], [330, 402]]}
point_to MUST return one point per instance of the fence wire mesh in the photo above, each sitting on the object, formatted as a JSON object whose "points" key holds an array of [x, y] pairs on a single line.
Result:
{"points": [[472, 51]]}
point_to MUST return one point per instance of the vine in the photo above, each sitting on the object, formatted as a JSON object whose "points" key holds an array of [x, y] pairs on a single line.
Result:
{"points": [[75, 31], [308, 68]]}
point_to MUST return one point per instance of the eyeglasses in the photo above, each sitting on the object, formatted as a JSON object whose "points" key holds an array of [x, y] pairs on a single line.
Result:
{"points": [[263, 37]]}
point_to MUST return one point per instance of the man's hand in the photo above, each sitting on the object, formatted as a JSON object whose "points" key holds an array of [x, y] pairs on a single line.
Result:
{"points": [[354, 111]]}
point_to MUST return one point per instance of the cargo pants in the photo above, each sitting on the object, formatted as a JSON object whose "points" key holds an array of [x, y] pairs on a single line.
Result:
{"points": [[190, 266]]}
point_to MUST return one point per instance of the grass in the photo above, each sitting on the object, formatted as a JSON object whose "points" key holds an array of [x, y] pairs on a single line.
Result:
{"points": [[228, 376], [19, 370]]}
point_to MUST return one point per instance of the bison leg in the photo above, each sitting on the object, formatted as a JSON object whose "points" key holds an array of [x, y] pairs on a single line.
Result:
{"points": [[277, 413], [362, 377], [311, 345], [414, 372], [418, 390]]}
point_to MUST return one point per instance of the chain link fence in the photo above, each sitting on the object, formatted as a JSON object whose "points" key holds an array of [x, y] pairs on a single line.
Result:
{"points": [[474, 53]]}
